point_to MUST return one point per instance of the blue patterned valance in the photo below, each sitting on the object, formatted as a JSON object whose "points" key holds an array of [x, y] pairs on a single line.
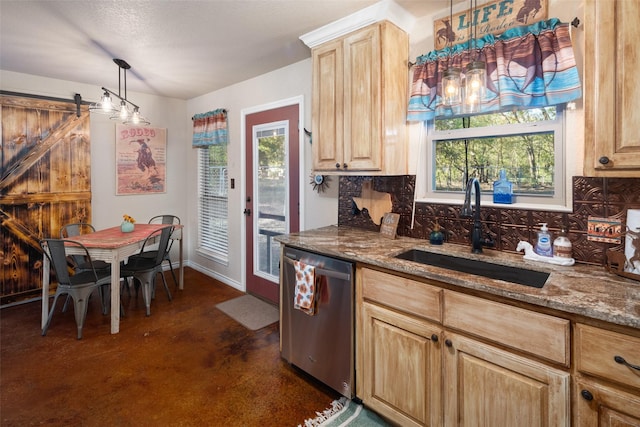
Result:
{"points": [[210, 128], [528, 66]]}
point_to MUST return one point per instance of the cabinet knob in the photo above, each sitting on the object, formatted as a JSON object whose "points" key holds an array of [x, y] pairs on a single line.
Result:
{"points": [[344, 166], [603, 160], [434, 338], [586, 395], [337, 165], [448, 343]]}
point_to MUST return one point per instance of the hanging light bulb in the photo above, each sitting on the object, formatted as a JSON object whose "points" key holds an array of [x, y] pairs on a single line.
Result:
{"points": [[475, 73], [136, 118], [452, 76], [106, 102], [105, 106], [451, 93], [124, 112], [475, 84]]}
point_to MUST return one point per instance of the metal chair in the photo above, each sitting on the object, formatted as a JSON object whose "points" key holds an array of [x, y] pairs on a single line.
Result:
{"points": [[76, 229], [78, 286], [166, 219], [144, 268]]}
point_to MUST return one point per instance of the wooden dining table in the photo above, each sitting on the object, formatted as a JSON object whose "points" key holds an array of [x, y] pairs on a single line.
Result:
{"points": [[113, 246]]}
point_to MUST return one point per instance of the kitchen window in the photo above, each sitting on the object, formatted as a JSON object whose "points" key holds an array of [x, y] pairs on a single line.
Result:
{"points": [[527, 143], [520, 125], [213, 212]]}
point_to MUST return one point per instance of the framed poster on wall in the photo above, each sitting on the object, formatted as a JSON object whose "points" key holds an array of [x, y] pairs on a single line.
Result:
{"points": [[141, 159]]}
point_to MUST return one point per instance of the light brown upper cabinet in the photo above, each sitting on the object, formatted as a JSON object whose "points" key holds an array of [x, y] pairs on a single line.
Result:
{"points": [[360, 84], [611, 89]]}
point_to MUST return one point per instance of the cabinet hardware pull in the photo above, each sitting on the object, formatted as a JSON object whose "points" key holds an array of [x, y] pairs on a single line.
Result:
{"points": [[586, 394], [603, 160], [448, 343], [434, 338], [344, 165], [337, 165], [620, 360]]}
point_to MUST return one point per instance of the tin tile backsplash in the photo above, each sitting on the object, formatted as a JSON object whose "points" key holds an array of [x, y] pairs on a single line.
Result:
{"points": [[596, 197]]}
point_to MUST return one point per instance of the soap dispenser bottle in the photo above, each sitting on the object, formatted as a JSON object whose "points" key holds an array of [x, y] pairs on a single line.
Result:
{"points": [[502, 189], [543, 245], [562, 246]]}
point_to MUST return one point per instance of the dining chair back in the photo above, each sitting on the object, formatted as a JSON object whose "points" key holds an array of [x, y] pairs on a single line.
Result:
{"points": [[168, 219], [76, 229], [80, 285], [144, 268]]}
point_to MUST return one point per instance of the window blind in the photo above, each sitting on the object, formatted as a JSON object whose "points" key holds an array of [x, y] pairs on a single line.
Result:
{"points": [[213, 212]]}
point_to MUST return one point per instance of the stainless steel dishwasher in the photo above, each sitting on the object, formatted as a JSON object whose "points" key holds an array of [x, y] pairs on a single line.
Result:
{"points": [[321, 344]]}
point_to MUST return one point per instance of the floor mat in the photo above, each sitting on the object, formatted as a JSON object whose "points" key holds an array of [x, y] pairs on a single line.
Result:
{"points": [[250, 311], [344, 412]]}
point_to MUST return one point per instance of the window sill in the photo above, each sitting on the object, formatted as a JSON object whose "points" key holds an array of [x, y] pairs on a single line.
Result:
{"points": [[489, 203]]}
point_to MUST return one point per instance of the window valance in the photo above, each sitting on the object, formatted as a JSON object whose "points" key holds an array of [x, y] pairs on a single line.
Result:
{"points": [[210, 128], [528, 66]]}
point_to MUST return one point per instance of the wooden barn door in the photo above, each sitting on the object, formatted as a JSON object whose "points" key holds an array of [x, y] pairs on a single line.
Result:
{"points": [[45, 182]]}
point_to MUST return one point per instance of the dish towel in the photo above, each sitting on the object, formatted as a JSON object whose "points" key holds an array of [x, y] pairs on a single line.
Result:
{"points": [[305, 291]]}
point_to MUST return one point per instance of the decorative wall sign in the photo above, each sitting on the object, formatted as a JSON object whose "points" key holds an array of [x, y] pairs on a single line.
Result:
{"points": [[140, 160], [491, 18], [389, 225], [608, 230]]}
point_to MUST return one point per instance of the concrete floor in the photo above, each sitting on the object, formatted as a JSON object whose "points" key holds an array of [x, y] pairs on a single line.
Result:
{"points": [[188, 364]]}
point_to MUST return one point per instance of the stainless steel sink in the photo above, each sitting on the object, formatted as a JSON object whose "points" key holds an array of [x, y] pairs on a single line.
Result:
{"points": [[522, 276]]}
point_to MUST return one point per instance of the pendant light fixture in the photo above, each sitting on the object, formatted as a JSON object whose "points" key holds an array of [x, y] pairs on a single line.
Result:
{"points": [[127, 112], [476, 70], [452, 76]]}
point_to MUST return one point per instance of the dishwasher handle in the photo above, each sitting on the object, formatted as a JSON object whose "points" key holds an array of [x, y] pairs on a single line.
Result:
{"points": [[324, 272]]}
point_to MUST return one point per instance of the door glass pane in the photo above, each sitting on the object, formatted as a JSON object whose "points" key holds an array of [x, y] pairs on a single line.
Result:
{"points": [[270, 196]]}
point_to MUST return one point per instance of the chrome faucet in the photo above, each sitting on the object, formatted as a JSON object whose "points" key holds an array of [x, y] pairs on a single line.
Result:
{"points": [[467, 212]]}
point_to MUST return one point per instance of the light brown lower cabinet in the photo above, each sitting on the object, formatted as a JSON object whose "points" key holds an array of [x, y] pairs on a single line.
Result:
{"points": [[415, 368], [487, 386], [401, 367]]}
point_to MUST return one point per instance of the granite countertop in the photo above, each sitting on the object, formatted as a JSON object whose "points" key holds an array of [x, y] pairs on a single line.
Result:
{"points": [[579, 289]]}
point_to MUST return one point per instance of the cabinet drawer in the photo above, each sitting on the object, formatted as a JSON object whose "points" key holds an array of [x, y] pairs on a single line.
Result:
{"points": [[417, 298], [539, 334], [597, 348]]}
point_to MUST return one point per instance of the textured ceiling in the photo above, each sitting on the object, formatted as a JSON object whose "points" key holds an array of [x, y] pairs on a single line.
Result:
{"points": [[178, 49]]}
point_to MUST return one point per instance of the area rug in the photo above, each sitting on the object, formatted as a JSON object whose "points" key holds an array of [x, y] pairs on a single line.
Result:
{"points": [[345, 412], [250, 311]]}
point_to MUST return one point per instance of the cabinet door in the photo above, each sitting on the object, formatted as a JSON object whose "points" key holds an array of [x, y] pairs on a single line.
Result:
{"points": [[328, 95], [399, 373], [597, 405], [362, 80], [486, 386], [612, 93]]}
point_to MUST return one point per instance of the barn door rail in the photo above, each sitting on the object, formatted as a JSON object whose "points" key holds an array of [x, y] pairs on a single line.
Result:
{"points": [[77, 98]]}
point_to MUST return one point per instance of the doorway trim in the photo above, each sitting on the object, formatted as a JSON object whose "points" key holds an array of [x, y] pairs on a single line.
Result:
{"points": [[299, 100]]}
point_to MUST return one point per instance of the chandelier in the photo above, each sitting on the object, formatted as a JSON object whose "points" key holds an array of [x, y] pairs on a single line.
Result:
{"points": [[127, 112]]}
